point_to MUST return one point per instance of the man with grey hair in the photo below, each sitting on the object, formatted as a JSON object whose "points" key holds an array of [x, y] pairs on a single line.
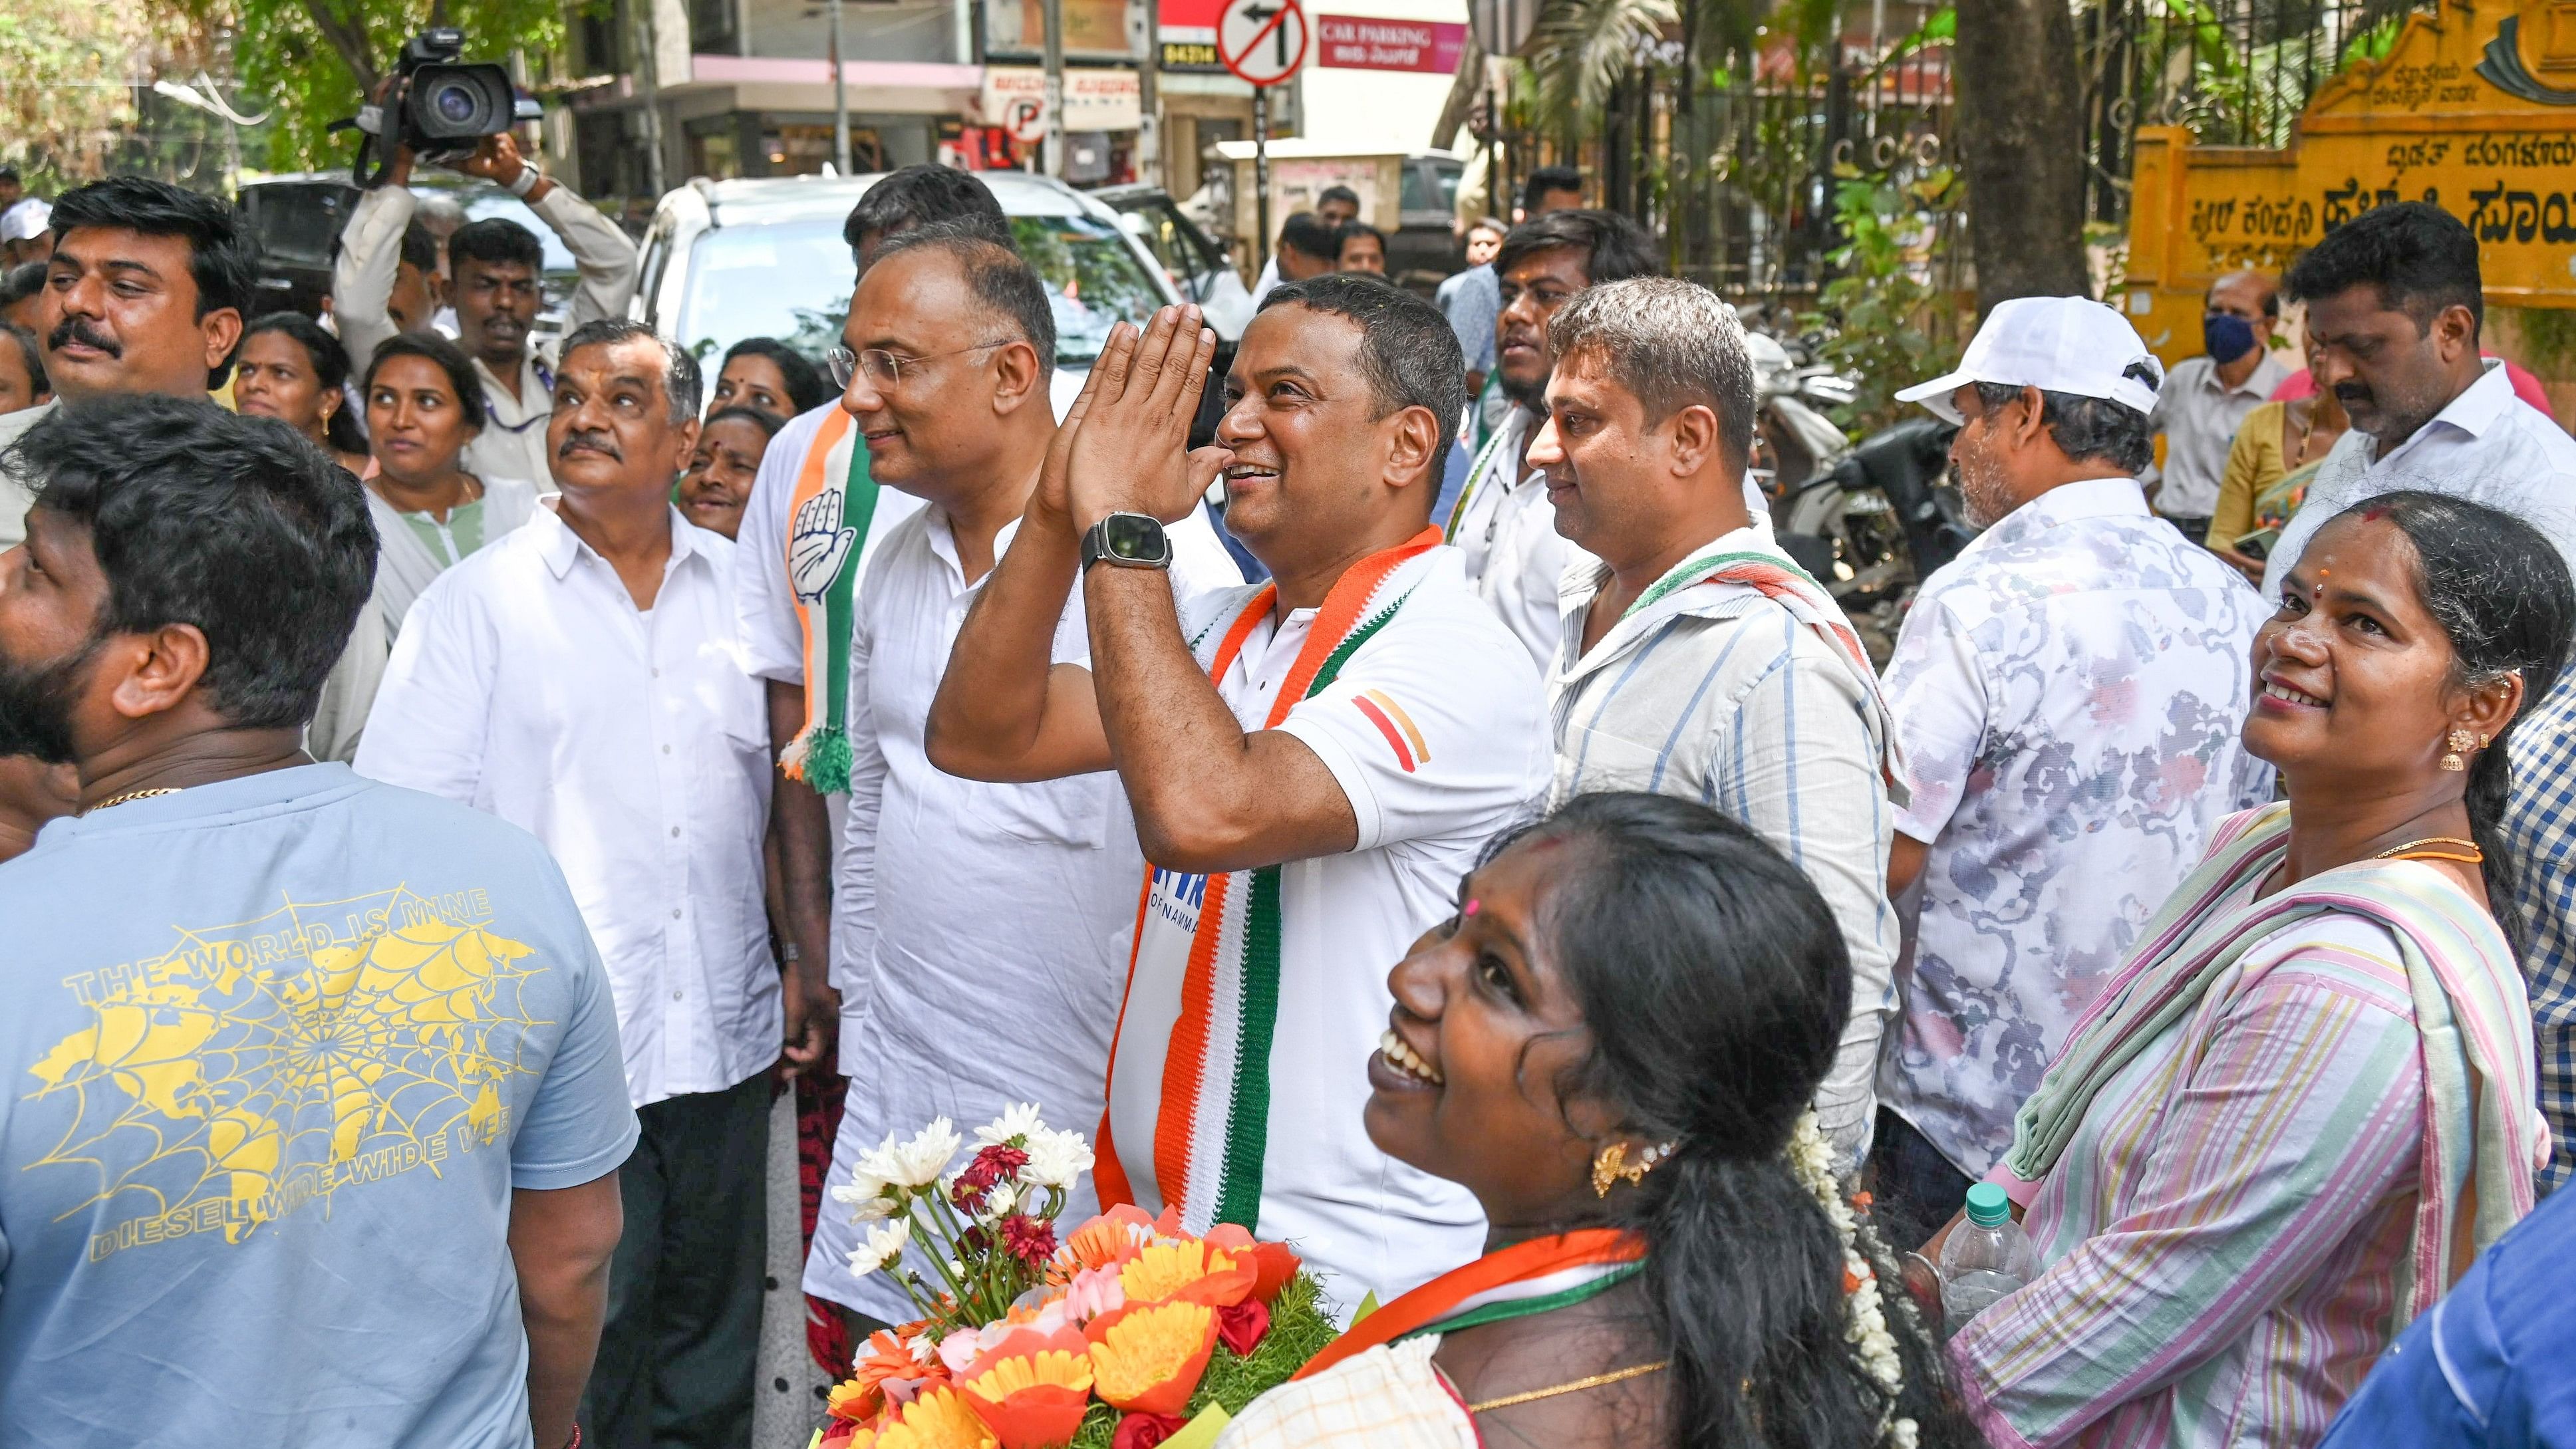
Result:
{"points": [[579, 679], [952, 895], [1698, 659]]}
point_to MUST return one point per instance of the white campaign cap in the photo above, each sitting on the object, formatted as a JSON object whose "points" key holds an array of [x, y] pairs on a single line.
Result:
{"points": [[2056, 344], [26, 221]]}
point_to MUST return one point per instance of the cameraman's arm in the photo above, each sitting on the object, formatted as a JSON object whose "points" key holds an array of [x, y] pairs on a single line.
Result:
{"points": [[603, 252], [363, 276]]}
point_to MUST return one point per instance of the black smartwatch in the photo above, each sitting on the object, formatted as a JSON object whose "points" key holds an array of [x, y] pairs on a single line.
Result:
{"points": [[1129, 540]]}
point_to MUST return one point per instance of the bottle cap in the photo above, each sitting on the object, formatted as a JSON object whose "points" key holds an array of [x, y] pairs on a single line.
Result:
{"points": [[1987, 1206]]}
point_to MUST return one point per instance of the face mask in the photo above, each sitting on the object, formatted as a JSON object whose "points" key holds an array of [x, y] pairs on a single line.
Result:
{"points": [[2226, 338]]}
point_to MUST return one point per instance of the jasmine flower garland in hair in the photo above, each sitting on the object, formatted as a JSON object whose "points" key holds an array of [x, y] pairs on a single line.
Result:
{"points": [[1812, 1159]]}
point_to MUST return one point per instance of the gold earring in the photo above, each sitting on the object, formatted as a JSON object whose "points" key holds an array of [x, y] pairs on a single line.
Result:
{"points": [[2460, 740], [1611, 1165]]}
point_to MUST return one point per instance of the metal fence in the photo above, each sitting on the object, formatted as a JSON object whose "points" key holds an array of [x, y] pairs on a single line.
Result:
{"points": [[1736, 169]]}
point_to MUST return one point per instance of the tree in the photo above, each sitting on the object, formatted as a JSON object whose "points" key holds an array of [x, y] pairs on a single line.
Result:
{"points": [[313, 60], [2021, 128]]}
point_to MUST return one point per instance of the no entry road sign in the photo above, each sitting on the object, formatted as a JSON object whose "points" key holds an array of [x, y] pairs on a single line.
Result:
{"points": [[1263, 41]]}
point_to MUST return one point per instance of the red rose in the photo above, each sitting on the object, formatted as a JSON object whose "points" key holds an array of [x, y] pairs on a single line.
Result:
{"points": [[1144, 1431], [1240, 1328]]}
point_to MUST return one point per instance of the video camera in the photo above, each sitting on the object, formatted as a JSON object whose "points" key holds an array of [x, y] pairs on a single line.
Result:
{"points": [[438, 107]]}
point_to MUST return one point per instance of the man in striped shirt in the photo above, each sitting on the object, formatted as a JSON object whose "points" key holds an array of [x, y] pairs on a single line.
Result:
{"points": [[1696, 658]]}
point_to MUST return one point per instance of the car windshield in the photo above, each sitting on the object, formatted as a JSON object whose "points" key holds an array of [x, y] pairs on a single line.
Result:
{"points": [[790, 280]]}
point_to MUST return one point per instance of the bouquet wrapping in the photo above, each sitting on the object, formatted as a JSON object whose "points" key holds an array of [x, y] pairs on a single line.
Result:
{"points": [[1122, 1333]]}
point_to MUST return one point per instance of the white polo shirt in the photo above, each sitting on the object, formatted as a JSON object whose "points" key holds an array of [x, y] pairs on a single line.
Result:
{"points": [[1433, 727]]}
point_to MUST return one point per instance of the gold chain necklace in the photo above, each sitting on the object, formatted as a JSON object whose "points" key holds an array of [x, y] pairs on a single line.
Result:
{"points": [[2408, 851], [1593, 1382], [116, 800]]}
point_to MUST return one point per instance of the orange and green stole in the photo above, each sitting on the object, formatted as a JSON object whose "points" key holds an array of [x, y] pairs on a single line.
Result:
{"points": [[834, 496], [1536, 1276], [1198, 1048]]}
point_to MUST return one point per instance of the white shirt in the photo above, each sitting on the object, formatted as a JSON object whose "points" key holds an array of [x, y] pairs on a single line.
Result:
{"points": [[2199, 415], [2488, 446], [984, 929], [1507, 540], [1366, 1222], [1718, 694], [527, 684], [2067, 692]]}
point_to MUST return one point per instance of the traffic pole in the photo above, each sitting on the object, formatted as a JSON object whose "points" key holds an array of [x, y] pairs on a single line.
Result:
{"points": [[1261, 170]]}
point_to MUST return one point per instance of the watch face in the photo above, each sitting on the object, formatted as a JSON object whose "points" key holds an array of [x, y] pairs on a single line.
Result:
{"points": [[1132, 537]]}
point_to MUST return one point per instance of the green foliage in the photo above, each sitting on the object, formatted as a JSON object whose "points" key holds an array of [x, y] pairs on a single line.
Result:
{"points": [[59, 94], [1299, 1329], [312, 59], [1877, 313], [1581, 47]]}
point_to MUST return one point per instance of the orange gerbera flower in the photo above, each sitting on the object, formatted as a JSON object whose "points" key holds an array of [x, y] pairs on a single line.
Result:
{"points": [[1273, 1264], [1148, 1360], [1190, 1270], [884, 1356], [1103, 1242], [939, 1419], [1034, 1400]]}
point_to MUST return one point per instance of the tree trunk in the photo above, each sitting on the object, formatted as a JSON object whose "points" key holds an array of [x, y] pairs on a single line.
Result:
{"points": [[348, 36], [1463, 86], [2020, 131]]}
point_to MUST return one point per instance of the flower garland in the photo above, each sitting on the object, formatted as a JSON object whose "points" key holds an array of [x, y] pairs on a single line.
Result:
{"points": [[1812, 1159]]}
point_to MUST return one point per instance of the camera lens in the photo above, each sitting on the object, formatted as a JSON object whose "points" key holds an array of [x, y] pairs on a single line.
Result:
{"points": [[455, 103]]}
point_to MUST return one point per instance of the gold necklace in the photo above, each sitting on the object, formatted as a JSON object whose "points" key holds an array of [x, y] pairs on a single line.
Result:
{"points": [[132, 795], [2408, 851], [1593, 1382]]}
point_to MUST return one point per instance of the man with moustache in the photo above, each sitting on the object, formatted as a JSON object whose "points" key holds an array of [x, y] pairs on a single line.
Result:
{"points": [[314, 1115], [495, 273], [578, 679], [145, 293], [953, 895], [1313, 763], [1502, 526], [2395, 303], [1700, 660], [2067, 694]]}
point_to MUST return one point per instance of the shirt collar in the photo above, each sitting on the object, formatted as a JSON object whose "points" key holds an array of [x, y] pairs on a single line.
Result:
{"points": [[559, 546], [2258, 384], [2480, 404], [223, 797], [2063, 504], [943, 542]]}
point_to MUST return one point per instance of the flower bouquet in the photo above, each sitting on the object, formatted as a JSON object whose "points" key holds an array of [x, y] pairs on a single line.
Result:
{"points": [[1119, 1334]]}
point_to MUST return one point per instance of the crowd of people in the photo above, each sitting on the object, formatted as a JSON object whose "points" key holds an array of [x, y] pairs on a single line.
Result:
{"points": [[450, 784]]}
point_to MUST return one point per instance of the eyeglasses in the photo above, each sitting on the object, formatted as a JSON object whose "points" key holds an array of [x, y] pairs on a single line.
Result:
{"points": [[885, 369]]}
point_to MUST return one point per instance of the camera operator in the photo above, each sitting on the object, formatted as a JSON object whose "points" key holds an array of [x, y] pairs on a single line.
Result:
{"points": [[493, 268]]}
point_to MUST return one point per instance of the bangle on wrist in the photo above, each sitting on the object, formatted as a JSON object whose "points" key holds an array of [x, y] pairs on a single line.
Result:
{"points": [[525, 182]]}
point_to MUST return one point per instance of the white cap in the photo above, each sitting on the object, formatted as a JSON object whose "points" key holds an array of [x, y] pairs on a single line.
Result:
{"points": [[2056, 344], [26, 221]]}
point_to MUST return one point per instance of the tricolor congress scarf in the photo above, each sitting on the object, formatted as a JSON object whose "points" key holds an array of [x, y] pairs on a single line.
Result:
{"points": [[2481, 1132], [1779, 579], [827, 534], [1513, 1282], [1213, 1122]]}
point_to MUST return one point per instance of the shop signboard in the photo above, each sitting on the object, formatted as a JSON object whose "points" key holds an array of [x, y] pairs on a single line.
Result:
{"points": [[2473, 110], [1096, 98]]}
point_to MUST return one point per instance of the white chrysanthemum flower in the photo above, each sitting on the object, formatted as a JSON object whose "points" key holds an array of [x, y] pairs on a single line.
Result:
{"points": [[922, 1346], [999, 1202], [1056, 1159], [919, 1162], [883, 1249], [1018, 1120]]}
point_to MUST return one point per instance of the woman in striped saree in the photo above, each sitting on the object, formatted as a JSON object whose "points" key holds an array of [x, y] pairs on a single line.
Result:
{"points": [[2306, 1099], [1612, 1043]]}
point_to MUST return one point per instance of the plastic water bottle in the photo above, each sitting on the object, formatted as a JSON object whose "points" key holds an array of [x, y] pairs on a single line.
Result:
{"points": [[1986, 1257]]}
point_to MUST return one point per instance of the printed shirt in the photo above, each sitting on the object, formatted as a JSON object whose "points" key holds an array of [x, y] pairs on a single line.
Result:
{"points": [[278, 1050], [2067, 693], [2488, 1366], [955, 895], [2487, 446], [2199, 415], [2212, 1275], [1721, 695], [773, 642], [526, 683], [1432, 728], [2540, 828]]}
